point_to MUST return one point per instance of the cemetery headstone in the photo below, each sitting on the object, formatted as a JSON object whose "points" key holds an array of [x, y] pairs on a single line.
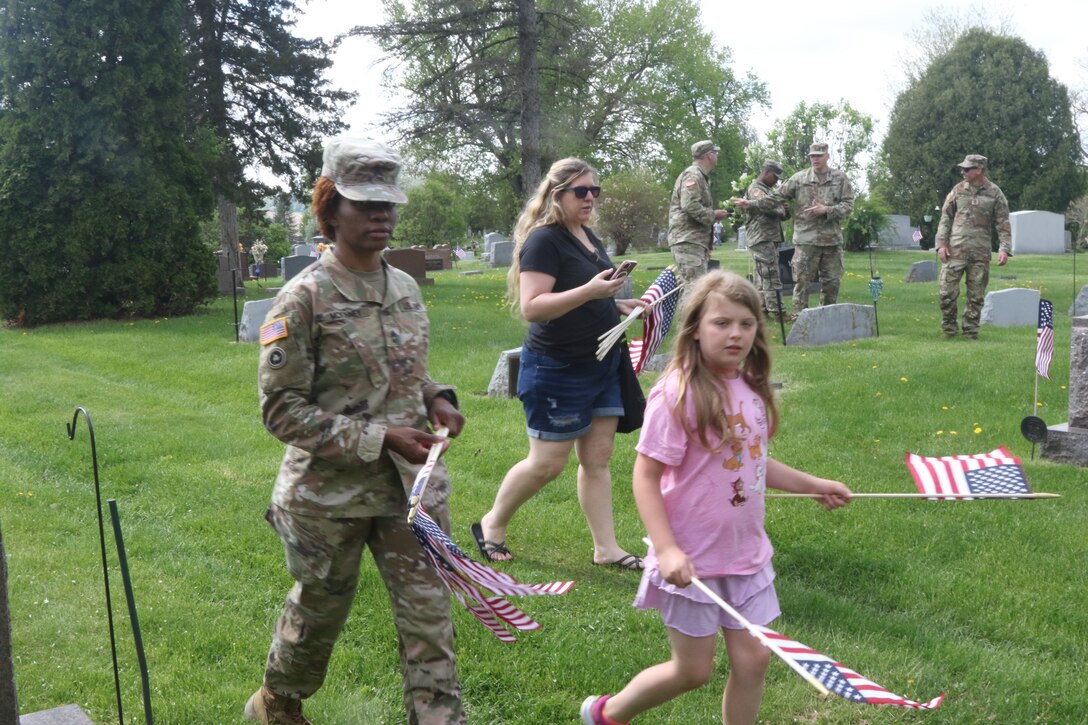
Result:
{"points": [[229, 282], [412, 261], [66, 715], [254, 313], [1068, 442], [832, 323], [899, 234], [504, 381], [1037, 232], [502, 254], [1080, 304], [294, 264], [490, 238], [742, 238], [300, 250], [924, 271], [1015, 307]]}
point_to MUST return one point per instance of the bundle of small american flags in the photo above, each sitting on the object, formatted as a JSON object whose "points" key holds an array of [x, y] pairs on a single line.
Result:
{"points": [[661, 299], [467, 580]]}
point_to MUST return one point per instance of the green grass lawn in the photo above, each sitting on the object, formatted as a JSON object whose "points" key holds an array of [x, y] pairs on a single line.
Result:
{"points": [[983, 601]]}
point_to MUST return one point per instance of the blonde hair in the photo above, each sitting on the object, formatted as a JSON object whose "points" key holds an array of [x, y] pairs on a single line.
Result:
{"points": [[540, 210], [695, 379]]}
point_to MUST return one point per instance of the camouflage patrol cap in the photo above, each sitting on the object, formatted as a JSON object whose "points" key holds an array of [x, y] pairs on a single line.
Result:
{"points": [[773, 166], [972, 161], [700, 149], [363, 170], [817, 149]]}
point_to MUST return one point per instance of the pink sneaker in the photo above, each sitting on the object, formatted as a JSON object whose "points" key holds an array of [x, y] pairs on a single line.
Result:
{"points": [[593, 711]]}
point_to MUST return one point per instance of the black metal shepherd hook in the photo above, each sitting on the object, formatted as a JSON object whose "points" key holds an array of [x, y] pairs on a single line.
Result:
{"points": [[102, 547]]}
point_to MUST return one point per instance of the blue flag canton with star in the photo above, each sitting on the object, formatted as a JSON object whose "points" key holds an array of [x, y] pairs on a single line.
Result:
{"points": [[831, 678], [1006, 478]]}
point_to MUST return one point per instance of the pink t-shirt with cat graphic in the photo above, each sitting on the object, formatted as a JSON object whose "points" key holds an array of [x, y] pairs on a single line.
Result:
{"points": [[714, 500]]}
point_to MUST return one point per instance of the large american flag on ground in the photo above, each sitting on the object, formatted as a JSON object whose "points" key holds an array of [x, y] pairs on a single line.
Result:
{"points": [[658, 320], [467, 580], [842, 680], [995, 472], [1044, 350]]}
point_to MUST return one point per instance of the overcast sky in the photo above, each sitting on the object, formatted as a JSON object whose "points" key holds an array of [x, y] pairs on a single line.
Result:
{"points": [[804, 51]]}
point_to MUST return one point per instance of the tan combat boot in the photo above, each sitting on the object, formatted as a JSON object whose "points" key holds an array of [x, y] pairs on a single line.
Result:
{"points": [[268, 708]]}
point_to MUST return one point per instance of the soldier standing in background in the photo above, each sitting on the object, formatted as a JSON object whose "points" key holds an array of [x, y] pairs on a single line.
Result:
{"points": [[972, 212], [763, 234], [692, 215], [343, 382], [823, 197]]}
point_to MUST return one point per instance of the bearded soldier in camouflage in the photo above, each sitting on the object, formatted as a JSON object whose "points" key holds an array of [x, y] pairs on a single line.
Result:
{"points": [[692, 215], [972, 212], [344, 383], [763, 235]]}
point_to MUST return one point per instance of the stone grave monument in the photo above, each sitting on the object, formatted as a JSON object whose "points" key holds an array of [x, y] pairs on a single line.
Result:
{"points": [[924, 271], [899, 234], [1014, 307], [412, 261], [290, 266], [502, 254], [1037, 232], [1080, 304], [225, 278], [1068, 442], [832, 323], [254, 313], [504, 381]]}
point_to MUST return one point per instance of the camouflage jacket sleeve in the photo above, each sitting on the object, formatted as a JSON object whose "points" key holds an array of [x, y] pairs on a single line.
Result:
{"points": [[695, 199], [948, 213], [1001, 222], [766, 202]]}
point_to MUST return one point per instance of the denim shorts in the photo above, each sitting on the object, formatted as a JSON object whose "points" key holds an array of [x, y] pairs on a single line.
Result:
{"points": [[561, 399]]}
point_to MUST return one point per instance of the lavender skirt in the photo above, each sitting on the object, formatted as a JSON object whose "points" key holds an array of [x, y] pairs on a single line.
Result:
{"points": [[691, 612]]}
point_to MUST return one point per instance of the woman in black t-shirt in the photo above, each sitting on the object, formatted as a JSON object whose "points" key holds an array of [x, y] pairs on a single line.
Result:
{"points": [[559, 283]]}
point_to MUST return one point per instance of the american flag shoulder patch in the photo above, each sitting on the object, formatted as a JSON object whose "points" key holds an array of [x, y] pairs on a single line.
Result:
{"points": [[273, 330]]}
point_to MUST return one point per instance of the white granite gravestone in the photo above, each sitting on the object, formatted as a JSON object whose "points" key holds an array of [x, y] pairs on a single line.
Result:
{"points": [[490, 238], [502, 254], [924, 271], [1015, 307], [253, 316], [1037, 232], [742, 238], [898, 234], [832, 323]]}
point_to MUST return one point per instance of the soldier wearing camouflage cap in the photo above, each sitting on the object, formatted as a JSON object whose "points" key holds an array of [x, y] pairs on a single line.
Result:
{"points": [[692, 214], [973, 212], [343, 382], [763, 236]]}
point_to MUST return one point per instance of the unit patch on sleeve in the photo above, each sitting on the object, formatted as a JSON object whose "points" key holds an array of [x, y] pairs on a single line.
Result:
{"points": [[277, 358], [274, 330]]}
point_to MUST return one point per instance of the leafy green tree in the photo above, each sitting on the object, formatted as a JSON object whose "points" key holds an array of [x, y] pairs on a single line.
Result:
{"points": [[100, 190], [993, 95], [509, 86], [263, 94], [435, 214], [863, 226], [633, 209]]}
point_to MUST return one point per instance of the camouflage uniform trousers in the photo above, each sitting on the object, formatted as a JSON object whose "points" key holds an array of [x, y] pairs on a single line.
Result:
{"points": [[977, 273], [691, 264], [765, 257], [323, 556], [812, 262]]}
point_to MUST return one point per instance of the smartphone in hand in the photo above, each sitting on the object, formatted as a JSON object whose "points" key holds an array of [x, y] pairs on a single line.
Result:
{"points": [[624, 269]]}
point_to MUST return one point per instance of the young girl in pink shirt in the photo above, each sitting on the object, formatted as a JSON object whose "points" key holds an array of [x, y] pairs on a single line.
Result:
{"points": [[699, 483]]}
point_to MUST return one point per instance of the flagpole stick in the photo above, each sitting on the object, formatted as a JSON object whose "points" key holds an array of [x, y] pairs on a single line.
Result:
{"points": [[424, 475], [754, 631], [1034, 407], [781, 314], [921, 495]]}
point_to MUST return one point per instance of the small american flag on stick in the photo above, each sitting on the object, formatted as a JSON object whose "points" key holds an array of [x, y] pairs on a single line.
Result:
{"points": [[996, 472], [839, 679], [1044, 350], [658, 320]]}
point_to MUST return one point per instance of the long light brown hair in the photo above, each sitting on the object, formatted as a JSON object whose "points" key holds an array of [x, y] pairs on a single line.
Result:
{"points": [[695, 379], [540, 210]]}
